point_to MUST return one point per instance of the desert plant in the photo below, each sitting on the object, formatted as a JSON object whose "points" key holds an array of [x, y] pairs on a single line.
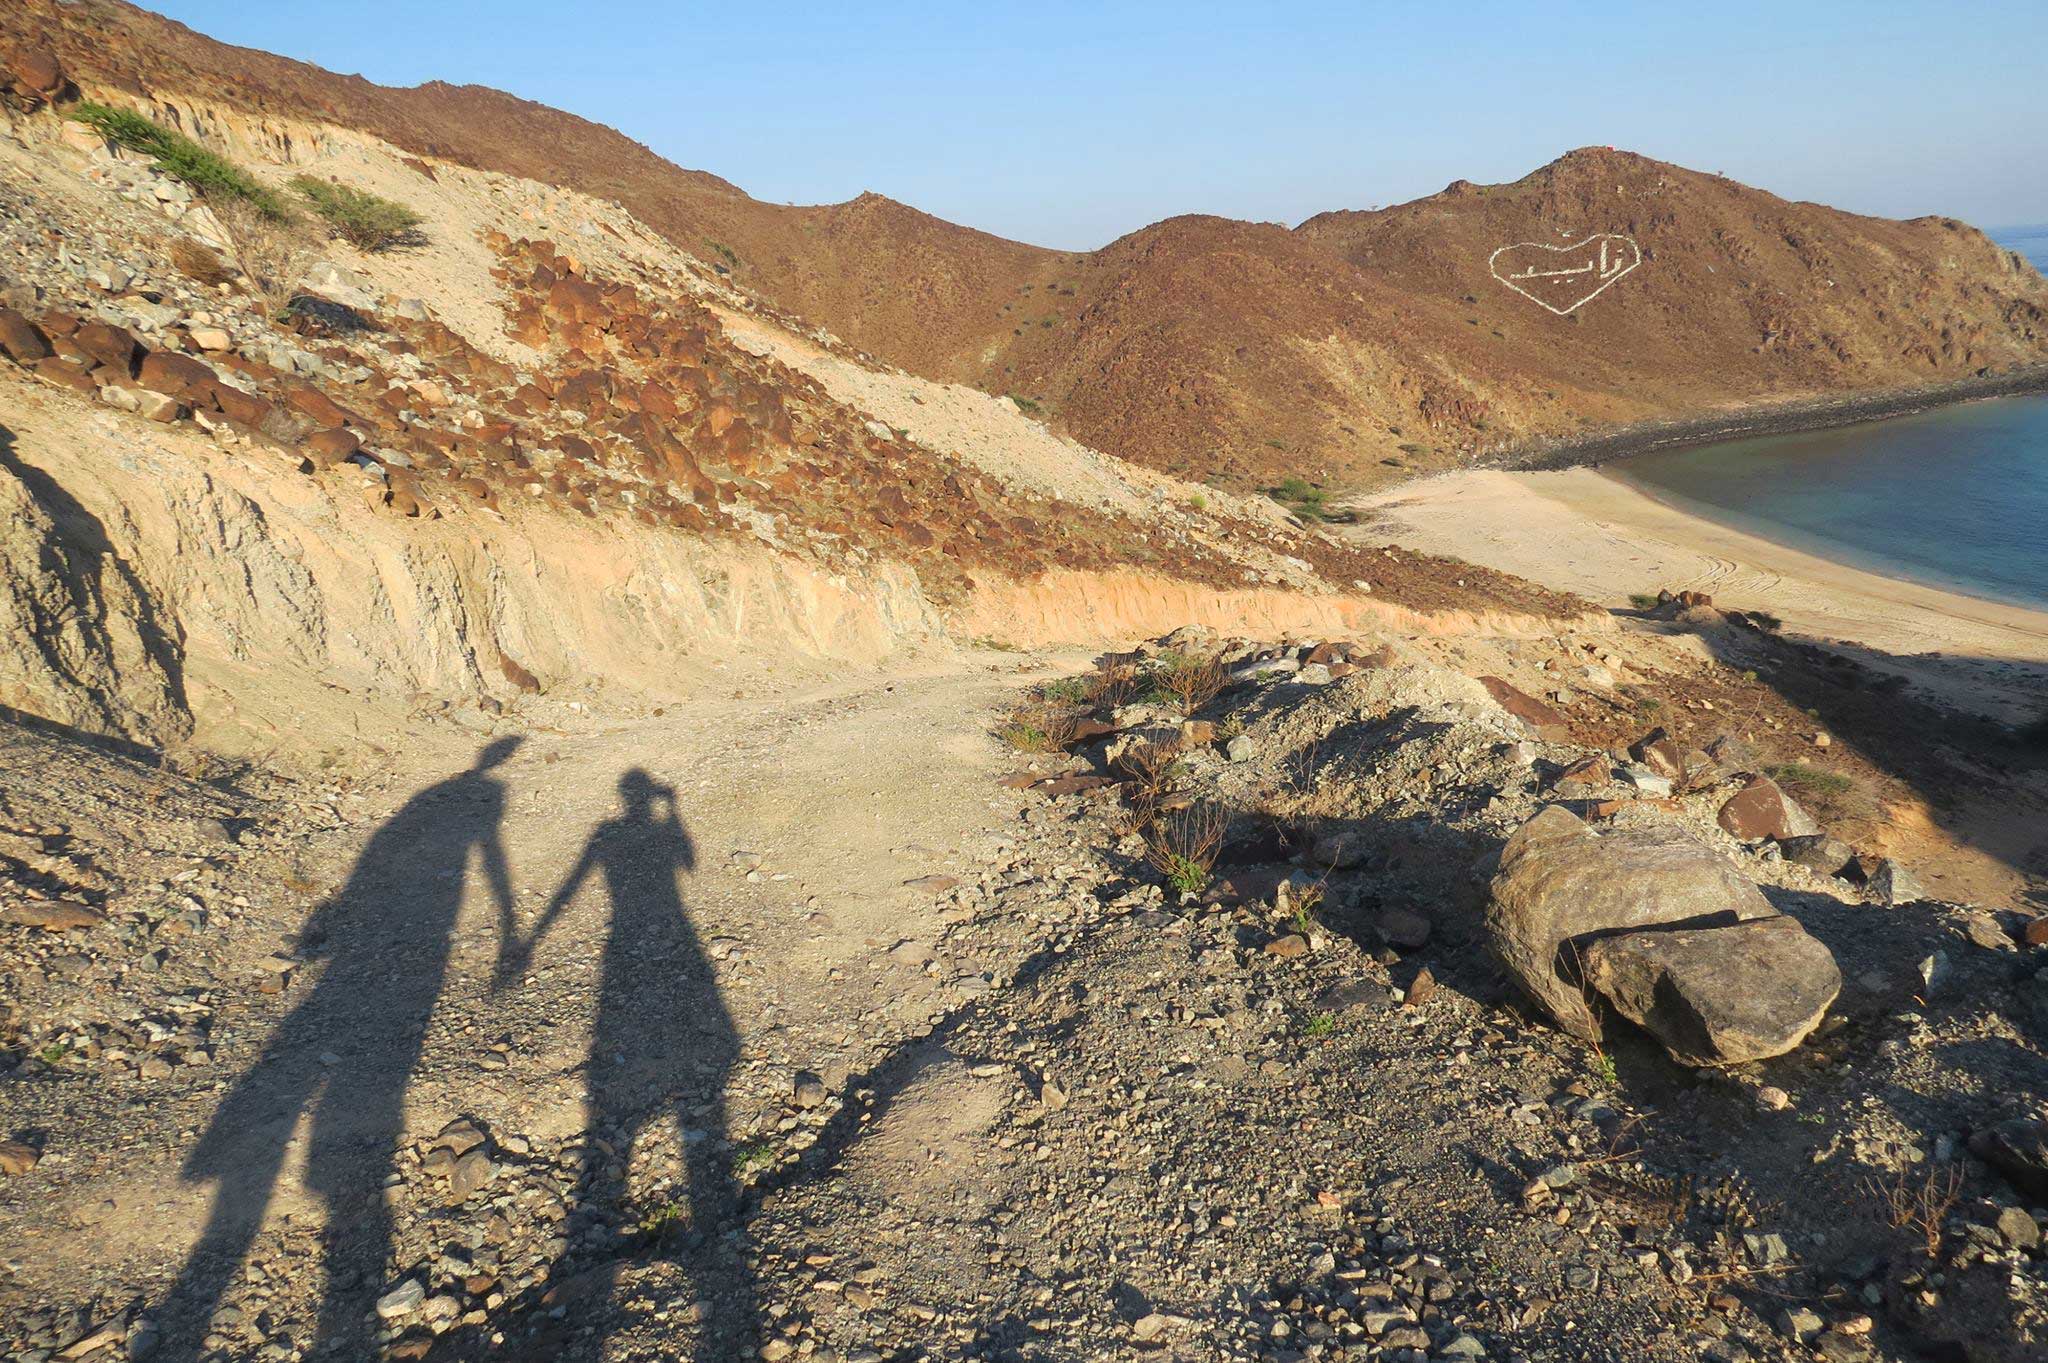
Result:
{"points": [[1148, 766], [1069, 690], [1182, 846], [1832, 795], [1920, 1204], [1643, 601], [272, 252], [1322, 1024], [200, 263], [366, 221], [1113, 684], [1192, 682], [1301, 497], [210, 174], [1041, 726]]}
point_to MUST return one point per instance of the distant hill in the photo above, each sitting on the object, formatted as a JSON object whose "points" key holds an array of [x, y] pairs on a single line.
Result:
{"points": [[1357, 346]]}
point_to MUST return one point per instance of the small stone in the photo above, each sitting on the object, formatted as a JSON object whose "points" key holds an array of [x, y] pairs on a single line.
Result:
{"points": [[17, 1157], [1289, 947], [211, 338], [1241, 748], [1800, 1323], [808, 1090], [1892, 884], [1774, 1098], [2017, 1227], [471, 1173], [1983, 929], [401, 1300], [1149, 1327], [1404, 929]]}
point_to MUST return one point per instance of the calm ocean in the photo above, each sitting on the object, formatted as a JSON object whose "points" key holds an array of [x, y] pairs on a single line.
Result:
{"points": [[1956, 497]]}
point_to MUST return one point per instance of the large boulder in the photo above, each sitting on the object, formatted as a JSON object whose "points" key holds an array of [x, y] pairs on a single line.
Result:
{"points": [[1720, 995], [1561, 886]]}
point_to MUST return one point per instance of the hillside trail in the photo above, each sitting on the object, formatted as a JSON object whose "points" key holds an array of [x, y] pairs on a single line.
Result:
{"points": [[561, 928]]}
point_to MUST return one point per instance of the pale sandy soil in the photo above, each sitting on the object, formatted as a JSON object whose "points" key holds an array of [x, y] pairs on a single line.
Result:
{"points": [[1582, 531]]}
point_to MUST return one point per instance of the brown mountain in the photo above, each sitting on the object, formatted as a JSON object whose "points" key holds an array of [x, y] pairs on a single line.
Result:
{"points": [[1240, 351]]}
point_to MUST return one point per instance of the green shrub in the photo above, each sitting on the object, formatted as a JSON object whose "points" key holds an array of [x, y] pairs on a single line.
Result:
{"points": [[366, 221], [210, 175], [1643, 601], [1301, 497]]}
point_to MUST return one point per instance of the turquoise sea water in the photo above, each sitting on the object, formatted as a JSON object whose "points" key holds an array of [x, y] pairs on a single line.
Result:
{"points": [[1956, 497]]}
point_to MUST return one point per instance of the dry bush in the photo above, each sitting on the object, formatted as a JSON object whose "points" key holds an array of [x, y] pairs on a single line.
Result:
{"points": [[1192, 682], [1919, 1204], [1183, 846], [1149, 765], [1113, 685], [272, 253], [200, 263], [1039, 727]]}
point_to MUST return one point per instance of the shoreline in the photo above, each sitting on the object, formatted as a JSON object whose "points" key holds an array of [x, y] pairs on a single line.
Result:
{"points": [[1600, 536], [1779, 418]]}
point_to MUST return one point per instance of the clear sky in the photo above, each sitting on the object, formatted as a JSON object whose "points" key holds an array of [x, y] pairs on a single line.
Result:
{"points": [[1068, 125]]}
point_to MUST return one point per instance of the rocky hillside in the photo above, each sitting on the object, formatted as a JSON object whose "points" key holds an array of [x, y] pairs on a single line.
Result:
{"points": [[1355, 347]]}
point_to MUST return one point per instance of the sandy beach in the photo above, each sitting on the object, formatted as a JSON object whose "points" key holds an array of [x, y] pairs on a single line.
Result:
{"points": [[1580, 530]]}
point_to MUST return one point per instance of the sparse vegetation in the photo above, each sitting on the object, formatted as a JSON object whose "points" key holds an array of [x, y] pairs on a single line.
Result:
{"points": [[1643, 601], [1321, 1025], [1028, 406], [1148, 767], [754, 1158], [1182, 846], [1189, 681], [1113, 684], [1041, 726], [209, 174], [1301, 497], [1832, 795], [366, 221], [200, 263], [1919, 1204], [272, 252]]}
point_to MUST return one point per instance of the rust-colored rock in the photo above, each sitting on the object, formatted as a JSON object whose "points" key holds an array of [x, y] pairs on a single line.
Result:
{"points": [[315, 405], [1761, 810], [238, 406], [330, 447], [66, 374], [22, 340], [111, 346], [177, 376], [1543, 721], [1659, 753]]}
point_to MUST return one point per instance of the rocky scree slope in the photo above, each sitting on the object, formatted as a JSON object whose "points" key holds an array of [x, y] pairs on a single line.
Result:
{"points": [[1358, 347]]}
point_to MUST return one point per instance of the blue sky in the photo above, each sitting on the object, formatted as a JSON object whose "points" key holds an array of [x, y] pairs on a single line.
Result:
{"points": [[1068, 125]]}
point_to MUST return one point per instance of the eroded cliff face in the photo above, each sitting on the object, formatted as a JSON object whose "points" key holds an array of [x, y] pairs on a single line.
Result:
{"points": [[158, 586]]}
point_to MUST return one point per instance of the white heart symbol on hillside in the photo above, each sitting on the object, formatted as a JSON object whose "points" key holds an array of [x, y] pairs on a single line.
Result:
{"points": [[1562, 278]]}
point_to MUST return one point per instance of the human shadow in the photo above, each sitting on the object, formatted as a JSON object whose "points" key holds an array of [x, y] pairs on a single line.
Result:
{"points": [[347, 1052], [662, 1042], [90, 569]]}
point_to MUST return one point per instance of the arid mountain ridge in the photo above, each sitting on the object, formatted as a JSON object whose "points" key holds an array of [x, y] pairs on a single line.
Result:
{"points": [[1234, 351]]}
